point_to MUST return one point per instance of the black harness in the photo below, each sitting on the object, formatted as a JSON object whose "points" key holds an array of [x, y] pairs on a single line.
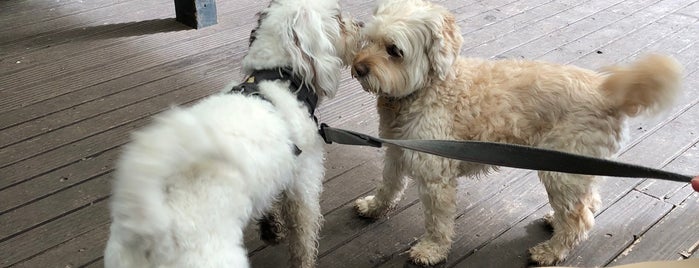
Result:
{"points": [[303, 92]]}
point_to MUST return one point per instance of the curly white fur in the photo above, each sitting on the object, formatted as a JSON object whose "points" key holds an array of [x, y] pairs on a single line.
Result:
{"points": [[410, 59], [188, 184]]}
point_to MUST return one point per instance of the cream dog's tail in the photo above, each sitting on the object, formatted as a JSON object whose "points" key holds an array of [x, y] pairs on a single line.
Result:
{"points": [[650, 85]]}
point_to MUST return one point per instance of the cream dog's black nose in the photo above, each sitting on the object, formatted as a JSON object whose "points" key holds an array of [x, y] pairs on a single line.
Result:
{"points": [[360, 70]]}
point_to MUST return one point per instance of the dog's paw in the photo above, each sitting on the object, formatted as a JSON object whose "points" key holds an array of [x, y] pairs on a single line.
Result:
{"points": [[544, 254], [548, 219], [368, 207], [428, 253]]}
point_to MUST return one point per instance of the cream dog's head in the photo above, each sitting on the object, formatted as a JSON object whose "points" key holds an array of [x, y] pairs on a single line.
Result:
{"points": [[407, 45]]}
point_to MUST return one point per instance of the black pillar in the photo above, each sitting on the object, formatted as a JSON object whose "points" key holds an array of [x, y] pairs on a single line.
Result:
{"points": [[196, 13]]}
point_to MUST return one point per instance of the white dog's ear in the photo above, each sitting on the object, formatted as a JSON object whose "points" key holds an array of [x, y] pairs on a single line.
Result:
{"points": [[311, 44], [447, 41]]}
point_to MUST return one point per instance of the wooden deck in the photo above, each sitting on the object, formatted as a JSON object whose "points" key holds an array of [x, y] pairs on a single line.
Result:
{"points": [[77, 76]]}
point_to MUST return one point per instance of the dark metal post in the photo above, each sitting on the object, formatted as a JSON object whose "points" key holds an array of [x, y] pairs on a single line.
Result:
{"points": [[196, 13]]}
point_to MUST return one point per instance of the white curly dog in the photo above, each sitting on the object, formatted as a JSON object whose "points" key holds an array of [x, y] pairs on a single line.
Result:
{"points": [[187, 185], [410, 59]]}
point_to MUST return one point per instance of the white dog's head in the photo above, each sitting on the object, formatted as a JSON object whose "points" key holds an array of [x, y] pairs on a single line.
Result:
{"points": [[310, 36], [407, 45]]}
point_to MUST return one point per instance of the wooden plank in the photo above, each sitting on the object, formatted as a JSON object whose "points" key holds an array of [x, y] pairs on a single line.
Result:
{"points": [[690, 11], [48, 183], [487, 33], [121, 61], [148, 24], [599, 29], [196, 13], [640, 43], [87, 124], [76, 252], [98, 263], [116, 94], [93, 17], [666, 190], [540, 28], [617, 228], [54, 206], [390, 238], [57, 180], [94, 145], [29, 244], [80, 41], [651, 30], [477, 14], [505, 17], [674, 236], [36, 12], [510, 248], [169, 75], [607, 239]]}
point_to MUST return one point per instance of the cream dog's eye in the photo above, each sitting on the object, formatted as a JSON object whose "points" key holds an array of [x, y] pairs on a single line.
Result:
{"points": [[394, 51]]}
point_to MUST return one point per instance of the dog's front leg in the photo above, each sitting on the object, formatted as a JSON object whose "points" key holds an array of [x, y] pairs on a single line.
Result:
{"points": [[438, 198], [389, 192]]}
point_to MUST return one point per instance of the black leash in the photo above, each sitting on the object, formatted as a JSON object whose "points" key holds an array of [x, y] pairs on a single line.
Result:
{"points": [[509, 155]]}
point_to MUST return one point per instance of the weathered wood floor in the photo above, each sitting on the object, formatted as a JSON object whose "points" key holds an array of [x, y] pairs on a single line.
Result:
{"points": [[77, 76]]}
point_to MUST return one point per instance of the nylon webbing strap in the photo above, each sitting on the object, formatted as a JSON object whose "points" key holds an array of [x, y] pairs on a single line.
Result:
{"points": [[508, 155]]}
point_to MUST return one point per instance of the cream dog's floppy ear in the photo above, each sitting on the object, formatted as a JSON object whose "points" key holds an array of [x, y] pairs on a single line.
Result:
{"points": [[446, 38]]}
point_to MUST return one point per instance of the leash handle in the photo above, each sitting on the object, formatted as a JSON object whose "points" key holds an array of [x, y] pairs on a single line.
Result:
{"points": [[509, 155]]}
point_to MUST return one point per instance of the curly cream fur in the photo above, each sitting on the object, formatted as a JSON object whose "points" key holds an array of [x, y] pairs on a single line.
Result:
{"points": [[428, 92]]}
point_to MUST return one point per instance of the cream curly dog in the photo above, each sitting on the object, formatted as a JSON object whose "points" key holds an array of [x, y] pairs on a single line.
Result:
{"points": [[189, 183], [426, 91]]}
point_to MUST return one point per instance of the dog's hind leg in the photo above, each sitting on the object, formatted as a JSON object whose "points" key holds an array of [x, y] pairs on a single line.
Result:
{"points": [[389, 192], [302, 215], [438, 198], [574, 201], [573, 197]]}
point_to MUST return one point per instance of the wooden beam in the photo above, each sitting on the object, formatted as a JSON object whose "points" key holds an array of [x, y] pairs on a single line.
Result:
{"points": [[196, 13]]}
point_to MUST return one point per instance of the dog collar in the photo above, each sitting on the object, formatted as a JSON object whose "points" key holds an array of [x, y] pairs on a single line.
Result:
{"points": [[302, 91]]}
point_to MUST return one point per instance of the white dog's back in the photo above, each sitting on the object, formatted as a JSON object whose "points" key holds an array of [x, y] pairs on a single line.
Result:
{"points": [[195, 178]]}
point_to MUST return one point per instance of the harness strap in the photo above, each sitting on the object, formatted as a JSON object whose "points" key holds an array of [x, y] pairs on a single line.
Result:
{"points": [[303, 92], [509, 155]]}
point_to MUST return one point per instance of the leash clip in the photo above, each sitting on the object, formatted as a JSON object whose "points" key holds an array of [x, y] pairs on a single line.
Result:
{"points": [[321, 131], [341, 136]]}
